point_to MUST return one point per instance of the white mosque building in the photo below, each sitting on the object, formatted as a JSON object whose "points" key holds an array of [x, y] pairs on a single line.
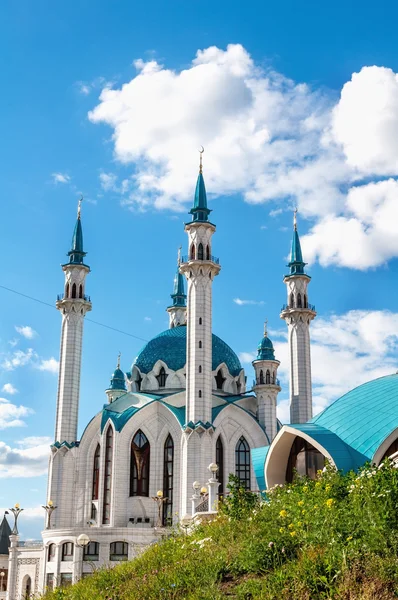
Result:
{"points": [[184, 406]]}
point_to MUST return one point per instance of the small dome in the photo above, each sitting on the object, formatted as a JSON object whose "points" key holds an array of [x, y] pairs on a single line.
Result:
{"points": [[265, 349], [117, 380]]}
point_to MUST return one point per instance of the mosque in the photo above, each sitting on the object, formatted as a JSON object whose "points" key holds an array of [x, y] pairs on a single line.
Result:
{"points": [[180, 421]]}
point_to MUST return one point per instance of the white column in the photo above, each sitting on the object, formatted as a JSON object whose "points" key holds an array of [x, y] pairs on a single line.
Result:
{"points": [[12, 568]]}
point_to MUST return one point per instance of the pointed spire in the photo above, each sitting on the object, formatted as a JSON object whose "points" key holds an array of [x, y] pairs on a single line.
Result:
{"points": [[179, 296], [296, 263], [118, 360], [76, 253], [265, 328], [199, 211], [118, 380], [5, 532]]}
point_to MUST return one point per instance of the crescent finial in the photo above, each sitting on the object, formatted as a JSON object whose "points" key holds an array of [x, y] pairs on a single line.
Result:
{"points": [[200, 163]]}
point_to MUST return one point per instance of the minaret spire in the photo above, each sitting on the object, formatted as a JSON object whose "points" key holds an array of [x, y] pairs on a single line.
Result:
{"points": [[178, 309], [298, 314], [199, 211]]}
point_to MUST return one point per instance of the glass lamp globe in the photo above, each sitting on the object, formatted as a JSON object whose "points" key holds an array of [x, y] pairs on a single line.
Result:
{"points": [[83, 540]]}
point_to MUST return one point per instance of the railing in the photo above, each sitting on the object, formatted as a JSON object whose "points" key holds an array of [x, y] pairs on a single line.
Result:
{"points": [[185, 259], [30, 544], [84, 297], [203, 506], [288, 307], [265, 382]]}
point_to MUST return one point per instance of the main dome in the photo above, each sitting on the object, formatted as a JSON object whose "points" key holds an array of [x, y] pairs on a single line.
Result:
{"points": [[170, 346]]}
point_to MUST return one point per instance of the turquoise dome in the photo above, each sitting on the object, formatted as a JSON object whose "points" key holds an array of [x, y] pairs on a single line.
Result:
{"points": [[265, 349], [117, 380], [170, 346]]}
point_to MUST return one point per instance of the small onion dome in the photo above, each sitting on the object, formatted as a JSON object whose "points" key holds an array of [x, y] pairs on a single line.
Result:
{"points": [[265, 349], [117, 380]]}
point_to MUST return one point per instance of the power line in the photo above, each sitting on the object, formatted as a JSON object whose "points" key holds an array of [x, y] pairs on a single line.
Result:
{"points": [[87, 319]]}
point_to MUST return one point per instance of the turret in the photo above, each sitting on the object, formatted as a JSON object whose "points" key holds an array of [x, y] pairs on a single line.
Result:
{"points": [[298, 314], [178, 309], [117, 386], [266, 385]]}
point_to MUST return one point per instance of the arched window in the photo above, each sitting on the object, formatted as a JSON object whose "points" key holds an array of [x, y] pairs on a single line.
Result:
{"points": [[139, 465], [219, 379], [200, 251], [106, 513], [242, 463], [96, 468], [273, 378], [304, 460], [27, 588], [200, 320], [162, 378], [74, 290], [91, 551], [80, 291], [51, 552], [94, 512], [67, 551], [261, 377], [192, 253], [168, 473], [67, 290], [220, 463], [299, 305], [200, 368], [200, 344], [207, 252], [305, 301], [118, 551], [268, 377], [291, 303]]}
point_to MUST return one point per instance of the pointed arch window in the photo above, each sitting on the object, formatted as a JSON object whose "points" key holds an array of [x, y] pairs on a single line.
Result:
{"points": [[242, 462], [273, 378], [162, 377], [219, 379], [305, 304], [220, 463], [299, 304], [291, 303], [96, 472], [207, 252], [67, 290], [168, 474], [192, 253], [106, 513], [261, 376], [268, 377], [80, 291], [74, 290], [139, 465], [200, 252]]}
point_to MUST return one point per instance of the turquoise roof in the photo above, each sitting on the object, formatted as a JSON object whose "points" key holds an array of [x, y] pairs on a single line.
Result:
{"points": [[117, 380], [76, 253], [296, 263], [199, 211], [259, 456], [170, 346], [364, 417], [179, 296], [265, 349]]}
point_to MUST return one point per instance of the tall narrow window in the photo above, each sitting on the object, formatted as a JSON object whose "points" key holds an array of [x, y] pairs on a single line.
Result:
{"points": [[168, 472], [291, 301], [305, 301], [139, 465], [67, 551], [261, 377], [242, 462], [51, 552], [200, 368], [268, 377], [200, 251], [200, 344], [207, 252], [74, 290], [192, 253], [138, 382], [200, 393], [219, 379], [273, 378], [106, 513], [67, 290], [220, 463], [200, 320], [96, 468], [80, 291], [299, 305], [162, 378]]}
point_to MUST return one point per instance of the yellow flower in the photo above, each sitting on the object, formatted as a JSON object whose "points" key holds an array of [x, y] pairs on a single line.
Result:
{"points": [[349, 538], [282, 530], [303, 511], [328, 487], [316, 506], [299, 524], [330, 502], [318, 484], [283, 513], [305, 488], [300, 503], [292, 533], [291, 526]]}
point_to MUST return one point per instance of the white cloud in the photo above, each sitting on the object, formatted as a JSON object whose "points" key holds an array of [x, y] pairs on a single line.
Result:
{"points": [[60, 178], [241, 302], [84, 88], [108, 181], [8, 388], [147, 318], [26, 331], [28, 459], [12, 415], [19, 358], [247, 357], [51, 365]]}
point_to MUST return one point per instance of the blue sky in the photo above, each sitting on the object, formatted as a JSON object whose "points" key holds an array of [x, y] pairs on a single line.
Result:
{"points": [[270, 90]]}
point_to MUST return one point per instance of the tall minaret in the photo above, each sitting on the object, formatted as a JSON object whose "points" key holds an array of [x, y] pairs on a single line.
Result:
{"points": [[298, 314], [178, 310], [200, 267], [266, 385], [73, 305]]}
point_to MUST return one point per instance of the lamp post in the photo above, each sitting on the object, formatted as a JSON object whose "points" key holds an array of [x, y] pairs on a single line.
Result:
{"points": [[2, 575], [16, 511], [213, 486], [49, 508], [160, 500], [82, 541]]}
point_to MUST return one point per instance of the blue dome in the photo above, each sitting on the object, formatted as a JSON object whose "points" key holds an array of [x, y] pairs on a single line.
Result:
{"points": [[265, 349], [170, 346], [117, 380]]}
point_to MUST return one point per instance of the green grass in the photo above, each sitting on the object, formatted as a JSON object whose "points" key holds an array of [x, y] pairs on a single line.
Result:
{"points": [[333, 538]]}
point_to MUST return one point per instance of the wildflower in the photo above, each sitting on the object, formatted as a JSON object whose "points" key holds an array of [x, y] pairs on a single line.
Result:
{"points": [[318, 484], [316, 506], [349, 538], [299, 524], [270, 544], [300, 503], [283, 514], [283, 551], [303, 511], [330, 502], [291, 526], [305, 488], [328, 487], [292, 533], [282, 530]]}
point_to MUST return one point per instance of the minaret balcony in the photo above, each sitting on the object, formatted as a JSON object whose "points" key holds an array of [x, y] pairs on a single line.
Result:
{"points": [[213, 259], [84, 298], [259, 381], [310, 307]]}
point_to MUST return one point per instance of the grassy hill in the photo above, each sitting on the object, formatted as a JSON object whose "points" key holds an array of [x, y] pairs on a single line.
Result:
{"points": [[336, 537]]}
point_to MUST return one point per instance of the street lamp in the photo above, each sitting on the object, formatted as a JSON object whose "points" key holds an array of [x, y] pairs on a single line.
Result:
{"points": [[160, 500], [203, 491], [83, 540], [49, 508], [16, 511], [2, 575], [213, 468]]}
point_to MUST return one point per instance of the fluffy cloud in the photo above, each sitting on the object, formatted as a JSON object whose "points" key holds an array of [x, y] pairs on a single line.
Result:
{"points": [[19, 358], [241, 302], [11, 415], [28, 459], [26, 331], [346, 350], [51, 365], [8, 388], [60, 178]]}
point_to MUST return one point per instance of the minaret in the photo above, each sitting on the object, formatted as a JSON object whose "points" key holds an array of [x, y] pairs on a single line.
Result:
{"points": [[117, 386], [178, 310], [199, 267], [73, 305], [298, 314], [266, 385]]}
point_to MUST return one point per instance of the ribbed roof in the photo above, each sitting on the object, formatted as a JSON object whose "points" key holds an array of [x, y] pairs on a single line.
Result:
{"points": [[179, 296], [170, 346], [265, 349], [296, 263], [364, 417], [199, 211], [76, 253], [5, 532], [117, 380]]}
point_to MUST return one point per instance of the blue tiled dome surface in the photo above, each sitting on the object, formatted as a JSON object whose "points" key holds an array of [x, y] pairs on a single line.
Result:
{"points": [[170, 346]]}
